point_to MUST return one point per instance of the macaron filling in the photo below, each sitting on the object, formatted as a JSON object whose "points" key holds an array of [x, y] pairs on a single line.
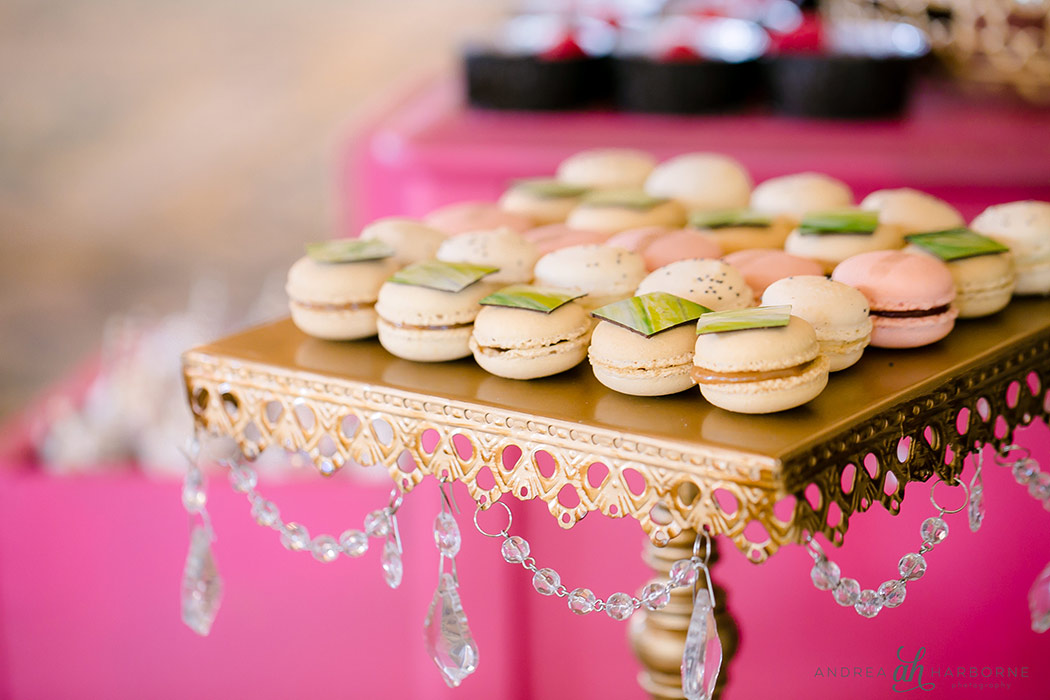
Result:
{"points": [[912, 313], [322, 306], [709, 376]]}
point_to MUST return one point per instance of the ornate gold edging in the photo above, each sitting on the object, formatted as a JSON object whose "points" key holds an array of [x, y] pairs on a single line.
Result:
{"points": [[256, 405]]}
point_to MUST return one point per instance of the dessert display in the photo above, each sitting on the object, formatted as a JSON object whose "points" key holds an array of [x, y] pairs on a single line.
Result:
{"points": [[712, 283], [913, 211], [982, 268], [661, 246], [1025, 228], [607, 169], [427, 310], [525, 332], [466, 217], [544, 200], [604, 273], [612, 211], [797, 195], [829, 237], [741, 229], [513, 256], [762, 267], [701, 182], [759, 360], [332, 289], [911, 296], [557, 236], [838, 313], [411, 240], [643, 346]]}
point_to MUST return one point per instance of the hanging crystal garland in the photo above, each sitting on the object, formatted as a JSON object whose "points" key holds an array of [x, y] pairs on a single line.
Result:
{"points": [[201, 590], [702, 658]]}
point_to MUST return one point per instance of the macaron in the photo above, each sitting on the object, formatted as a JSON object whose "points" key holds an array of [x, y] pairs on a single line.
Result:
{"points": [[557, 236], [910, 296], [713, 283], [661, 246], [839, 314], [829, 237], [543, 200], [519, 343], [612, 211], [982, 268], [604, 273], [336, 300], [760, 369], [465, 217], [425, 324], [503, 248], [1025, 228], [701, 181], [913, 211], [607, 168], [795, 195], [411, 240], [743, 229], [762, 267]]}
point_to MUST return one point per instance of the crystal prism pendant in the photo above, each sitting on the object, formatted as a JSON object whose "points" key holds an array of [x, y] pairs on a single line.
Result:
{"points": [[975, 507], [702, 659], [1039, 601], [447, 636], [201, 585], [393, 569]]}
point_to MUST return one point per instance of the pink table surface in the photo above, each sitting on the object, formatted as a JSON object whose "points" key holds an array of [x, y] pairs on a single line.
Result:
{"points": [[427, 149]]}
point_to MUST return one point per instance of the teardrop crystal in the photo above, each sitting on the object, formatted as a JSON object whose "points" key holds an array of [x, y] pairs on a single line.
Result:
{"points": [[447, 635], [393, 568], [975, 508], [201, 584], [702, 659], [1039, 601], [446, 535]]}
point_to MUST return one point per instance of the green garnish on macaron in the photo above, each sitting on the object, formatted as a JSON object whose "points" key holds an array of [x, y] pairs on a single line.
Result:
{"points": [[744, 319], [652, 313], [627, 199], [533, 298], [956, 244], [348, 250], [730, 218], [839, 221], [548, 188], [442, 276]]}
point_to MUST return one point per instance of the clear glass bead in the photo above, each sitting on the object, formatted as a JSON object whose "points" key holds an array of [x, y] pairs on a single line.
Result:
{"points": [[515, 549], [295, 537], [325, 548], [892, 593], [581, 601], [546, 581], [868, 604], [912, 566], [265, 512], [619, 606], [847, 592], [446, 535], [825, 574], [1039, 601], [1024, 470], [1039, 486], [933, 530], [243, 478], [393, 568], [354, 543], [975, 508], [377, 524], [194, 498], [683, 573], [656, 596]]}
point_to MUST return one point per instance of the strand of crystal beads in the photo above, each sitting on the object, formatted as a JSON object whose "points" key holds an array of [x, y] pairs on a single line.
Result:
{"points": [[827, 576], [380, 523], [1027, 473], [618, 606]]}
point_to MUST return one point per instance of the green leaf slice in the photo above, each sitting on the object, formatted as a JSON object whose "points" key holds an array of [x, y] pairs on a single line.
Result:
{"points": [[727, 218], [548, 188], [348, 250], [443, 276], [744, 319], [839, 221], [533, 298], [626, 199], [650, 314], [957, 243]]}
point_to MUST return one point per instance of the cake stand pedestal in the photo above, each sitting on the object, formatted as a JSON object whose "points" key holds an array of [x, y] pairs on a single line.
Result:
{"points": [[675, 464]]}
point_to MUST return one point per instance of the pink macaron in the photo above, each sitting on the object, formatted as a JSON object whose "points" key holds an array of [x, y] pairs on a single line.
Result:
{"points": [[661, 246], [762, 267], [467, 217], [554, 237], [910, 295]]}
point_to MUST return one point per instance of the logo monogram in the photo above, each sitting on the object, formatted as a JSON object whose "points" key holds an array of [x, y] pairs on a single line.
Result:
{"points": [[907, 675]]}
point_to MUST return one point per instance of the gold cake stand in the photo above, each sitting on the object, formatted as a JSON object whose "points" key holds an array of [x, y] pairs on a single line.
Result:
{"points": [[897, 416]]}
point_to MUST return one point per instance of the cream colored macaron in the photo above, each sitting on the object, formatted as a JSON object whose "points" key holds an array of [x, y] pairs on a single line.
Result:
{"points": [[544, 200], [604, 273], [631, 363], [613, 211], [796, 195], [411, 240], [913, 211], [831, 248], [525, 344], [713, 283], [336, 301], [981, 268], [733, 238], [607, 168], [1025, 228], [503, 248], [701, 182], [839, 314]]}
